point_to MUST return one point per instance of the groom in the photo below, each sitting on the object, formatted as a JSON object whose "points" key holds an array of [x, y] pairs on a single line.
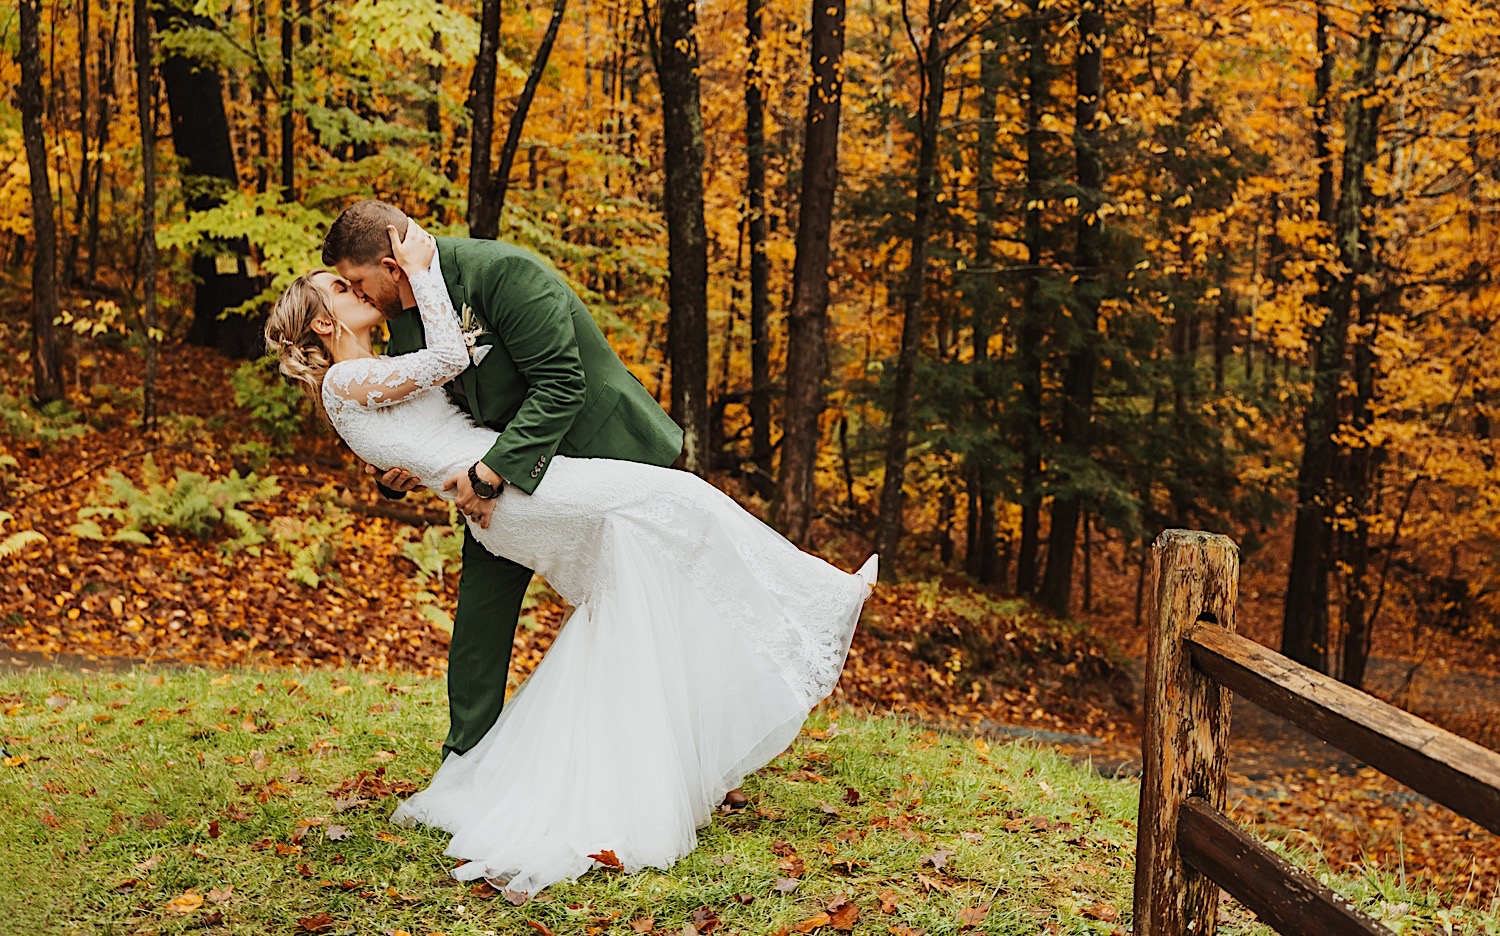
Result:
{"points": [[543, 376]]}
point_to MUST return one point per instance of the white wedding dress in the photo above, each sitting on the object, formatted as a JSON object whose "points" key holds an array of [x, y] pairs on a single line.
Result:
{"points": [[700, 638]]}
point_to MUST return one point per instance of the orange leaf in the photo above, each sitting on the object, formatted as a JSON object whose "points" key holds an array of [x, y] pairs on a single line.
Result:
{"points": [[813, 922], [608, 859]]}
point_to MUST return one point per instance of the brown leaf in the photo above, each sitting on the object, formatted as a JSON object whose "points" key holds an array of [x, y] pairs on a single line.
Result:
{"points": [[705, 921], [220, 895], [540, 927], [317, 923], [939, 858], [1103, 912], [785, 885], [213, 828], [608, 859], [970, 917], [888, 902], [483, 890], [842, 914], [813, 922], [851, 796], [154, 820], [643, 925], [931, 884], [515, 898], [336, 833], [792, 865]]}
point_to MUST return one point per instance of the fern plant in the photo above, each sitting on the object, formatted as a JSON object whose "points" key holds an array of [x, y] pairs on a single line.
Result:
{"points": [[13, 543], [311, 539], [437, 553], [189, 503], [40, 425]]}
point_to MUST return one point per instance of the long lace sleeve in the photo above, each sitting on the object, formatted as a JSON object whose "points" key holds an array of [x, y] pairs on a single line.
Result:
{"points": [[383, 381]]}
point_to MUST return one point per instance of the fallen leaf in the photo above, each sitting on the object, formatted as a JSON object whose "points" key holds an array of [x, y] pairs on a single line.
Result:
{"points": [[18, 761], [186, 902], [842, 914], [643, 925], [148, 864], [608, 859], [336, 833], [540, 927], [483, 890], [931, 884], [213, 828], [317, 923], [1103, 912], [785, 885], [888, 903], [851, 796], [813, 922], [970, 917], [515, 898], [154, 820], [939, 858], [705, 921], [220, 895]]}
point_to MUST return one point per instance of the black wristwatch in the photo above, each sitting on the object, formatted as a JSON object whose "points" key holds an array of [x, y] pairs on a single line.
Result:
{"points": [[482, 488]]}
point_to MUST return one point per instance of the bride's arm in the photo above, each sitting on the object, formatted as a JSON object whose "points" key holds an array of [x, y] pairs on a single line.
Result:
{"points": [[387, 380]]}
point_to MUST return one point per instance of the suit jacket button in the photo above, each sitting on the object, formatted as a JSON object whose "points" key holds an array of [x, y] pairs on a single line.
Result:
{"points": [[536, 472]]}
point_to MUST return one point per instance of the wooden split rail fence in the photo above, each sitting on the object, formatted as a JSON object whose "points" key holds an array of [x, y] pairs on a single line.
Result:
{"points": [[1186, 848]]}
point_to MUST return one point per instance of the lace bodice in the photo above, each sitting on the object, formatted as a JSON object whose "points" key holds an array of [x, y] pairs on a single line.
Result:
{"points": [[383, 381]]}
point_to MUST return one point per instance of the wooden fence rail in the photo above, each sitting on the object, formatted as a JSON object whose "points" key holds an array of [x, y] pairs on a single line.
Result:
{"points": [[1186, 849]]}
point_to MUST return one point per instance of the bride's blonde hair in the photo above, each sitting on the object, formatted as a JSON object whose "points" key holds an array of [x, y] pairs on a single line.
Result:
{"points": [[299, 351]]}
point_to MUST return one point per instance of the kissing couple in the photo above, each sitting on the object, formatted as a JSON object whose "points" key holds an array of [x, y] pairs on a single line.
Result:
{"points": [[699, 640]]}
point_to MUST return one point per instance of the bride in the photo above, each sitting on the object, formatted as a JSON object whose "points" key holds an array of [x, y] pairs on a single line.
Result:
{"points": [[699, 641]]}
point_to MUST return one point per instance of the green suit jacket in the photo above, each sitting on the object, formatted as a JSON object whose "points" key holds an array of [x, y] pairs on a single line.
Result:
{"points": [[550, 383]]}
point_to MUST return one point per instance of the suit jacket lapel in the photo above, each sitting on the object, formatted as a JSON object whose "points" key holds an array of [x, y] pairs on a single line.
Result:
{"points": [[453, 278]]}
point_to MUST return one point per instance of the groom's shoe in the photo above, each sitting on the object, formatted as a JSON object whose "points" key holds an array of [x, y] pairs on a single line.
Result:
{"points": [[734, 799]]}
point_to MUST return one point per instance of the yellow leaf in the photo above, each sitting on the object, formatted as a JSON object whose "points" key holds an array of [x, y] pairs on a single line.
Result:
{"points": [[185, 903]]}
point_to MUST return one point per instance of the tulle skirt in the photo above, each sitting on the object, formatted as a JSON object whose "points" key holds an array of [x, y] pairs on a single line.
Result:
{"points": [[650, 706]]}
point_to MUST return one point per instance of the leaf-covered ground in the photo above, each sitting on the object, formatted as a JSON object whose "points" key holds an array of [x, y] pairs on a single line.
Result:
{"points": [[197, 801]]}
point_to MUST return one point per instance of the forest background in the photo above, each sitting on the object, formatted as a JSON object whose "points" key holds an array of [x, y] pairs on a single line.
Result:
{"points": [[1001, 289]]}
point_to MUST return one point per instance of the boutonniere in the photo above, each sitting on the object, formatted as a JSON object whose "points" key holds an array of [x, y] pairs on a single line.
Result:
{"points": [[468, 323]]}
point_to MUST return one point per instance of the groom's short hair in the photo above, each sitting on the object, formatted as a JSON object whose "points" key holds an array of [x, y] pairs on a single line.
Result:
{"points": [[358, 234]]}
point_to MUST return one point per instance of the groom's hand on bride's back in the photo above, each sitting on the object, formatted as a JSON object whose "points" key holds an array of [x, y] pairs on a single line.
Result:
{"points": [[394, 483]]}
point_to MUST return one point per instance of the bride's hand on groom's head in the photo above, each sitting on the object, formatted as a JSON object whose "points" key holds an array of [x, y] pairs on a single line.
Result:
{"points": [[414, 251]]}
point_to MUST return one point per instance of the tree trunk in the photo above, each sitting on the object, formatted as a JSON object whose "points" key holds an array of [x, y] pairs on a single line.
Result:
{"points": [[1304, 629], [200, 137], [105, 62], [807, 319], [46, 356], [501, 180], [288, 114], [892, 492], [687, 238], [146, 108], [760, 262], [980, 556], [483, 221], [1078, 380], [1029, 335]]}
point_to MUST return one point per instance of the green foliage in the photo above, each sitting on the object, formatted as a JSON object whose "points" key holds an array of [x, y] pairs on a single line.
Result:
{"points": [[312, 537], [13, 543], [190, 503], [252, 456], [40, 425], [437, 553], [276, 406]]}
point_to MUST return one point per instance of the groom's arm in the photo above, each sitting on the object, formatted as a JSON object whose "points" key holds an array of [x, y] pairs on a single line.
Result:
{"points": [[532, 315]]}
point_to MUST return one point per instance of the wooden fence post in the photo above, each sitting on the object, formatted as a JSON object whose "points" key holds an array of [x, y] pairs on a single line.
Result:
{"points": [[1185, 743]]}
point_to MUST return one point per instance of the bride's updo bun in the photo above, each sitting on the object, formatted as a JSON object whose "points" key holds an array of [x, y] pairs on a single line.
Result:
{"points": [[299, 352]]}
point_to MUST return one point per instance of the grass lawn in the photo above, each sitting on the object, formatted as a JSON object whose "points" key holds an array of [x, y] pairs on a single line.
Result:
{"points": [[192, 801]]}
